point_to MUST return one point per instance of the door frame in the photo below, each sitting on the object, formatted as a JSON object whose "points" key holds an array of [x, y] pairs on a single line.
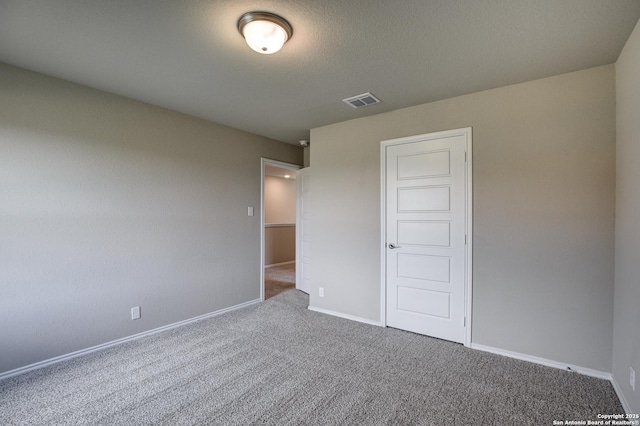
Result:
{"points": [[468, 282], [281, 164]]}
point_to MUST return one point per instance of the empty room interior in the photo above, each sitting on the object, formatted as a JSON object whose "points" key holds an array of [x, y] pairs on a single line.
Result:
{"points": [[319, 212]]}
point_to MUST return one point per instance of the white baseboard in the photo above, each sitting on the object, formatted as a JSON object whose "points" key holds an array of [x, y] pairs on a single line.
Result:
{"points": [[544, 361], [345, 316], [81, 352], [280, 264], [623, 400], [550, 363]]}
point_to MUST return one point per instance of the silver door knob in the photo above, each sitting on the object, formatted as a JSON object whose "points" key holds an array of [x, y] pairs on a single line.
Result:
{"points": [[393, 246]]}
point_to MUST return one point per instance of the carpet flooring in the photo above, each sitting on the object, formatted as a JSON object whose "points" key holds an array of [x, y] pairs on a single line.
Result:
{"points": [[278, 279], [278, 363]]}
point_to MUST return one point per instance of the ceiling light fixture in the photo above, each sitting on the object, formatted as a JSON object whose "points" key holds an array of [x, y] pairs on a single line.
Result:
{"points": [[264, 32]]}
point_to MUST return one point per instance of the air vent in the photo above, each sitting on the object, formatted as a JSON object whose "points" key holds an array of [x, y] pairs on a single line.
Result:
{"points": [[361, 100]]}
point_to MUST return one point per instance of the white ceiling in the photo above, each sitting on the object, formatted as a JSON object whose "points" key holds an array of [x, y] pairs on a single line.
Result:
{"points": [[279, 172], [187, 55]]}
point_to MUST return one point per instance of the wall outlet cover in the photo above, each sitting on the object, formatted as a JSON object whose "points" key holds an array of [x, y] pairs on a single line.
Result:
{"points": [[135, 313]]}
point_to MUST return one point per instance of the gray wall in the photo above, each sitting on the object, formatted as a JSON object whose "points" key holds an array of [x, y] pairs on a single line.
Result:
{"points": [[626, 323], [307, 156], [279, 245], [107, 203], [543, 170], [279, 200]]}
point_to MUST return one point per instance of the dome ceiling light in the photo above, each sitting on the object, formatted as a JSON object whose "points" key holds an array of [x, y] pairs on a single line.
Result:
{"points": [[264, 32]]}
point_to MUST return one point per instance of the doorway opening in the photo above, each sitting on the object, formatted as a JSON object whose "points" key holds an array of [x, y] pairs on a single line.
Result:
{"points": [[278, 242]]}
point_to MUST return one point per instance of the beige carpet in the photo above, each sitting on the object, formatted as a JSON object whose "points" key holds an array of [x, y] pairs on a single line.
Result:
{"points": [[278, 363], [278, 279]]}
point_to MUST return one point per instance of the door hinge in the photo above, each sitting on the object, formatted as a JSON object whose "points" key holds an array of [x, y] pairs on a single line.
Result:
{"points": [[465, 240], [465, 156], [464, 322]]}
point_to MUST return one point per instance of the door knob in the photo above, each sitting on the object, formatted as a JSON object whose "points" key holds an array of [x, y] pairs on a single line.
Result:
{"points": [[393, 246]]}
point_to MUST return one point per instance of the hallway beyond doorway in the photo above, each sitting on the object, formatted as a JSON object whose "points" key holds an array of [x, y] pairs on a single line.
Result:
{"points": [[278, 279]]}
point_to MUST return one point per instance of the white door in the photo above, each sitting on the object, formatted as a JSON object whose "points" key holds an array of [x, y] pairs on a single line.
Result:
{"points": [[426, 226], [303, 227]]}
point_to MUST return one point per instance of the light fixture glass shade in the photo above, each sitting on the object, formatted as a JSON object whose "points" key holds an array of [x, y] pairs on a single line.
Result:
{"points": [[264, 36], [264, 32]]}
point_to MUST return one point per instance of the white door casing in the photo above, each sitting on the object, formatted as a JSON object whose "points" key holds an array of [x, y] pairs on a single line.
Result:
{"points": [[303, 228], [426, 234]]}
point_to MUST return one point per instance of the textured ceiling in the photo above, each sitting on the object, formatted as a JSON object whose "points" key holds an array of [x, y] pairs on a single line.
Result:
{"points": [[186, 55]]}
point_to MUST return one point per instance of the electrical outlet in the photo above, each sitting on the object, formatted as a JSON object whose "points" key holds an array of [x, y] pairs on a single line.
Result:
{"points": [[632, 378], [135, 313], [321, 291], [250, 211]]}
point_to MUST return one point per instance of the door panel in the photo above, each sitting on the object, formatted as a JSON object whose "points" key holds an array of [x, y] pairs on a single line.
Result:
{"points": [[425, 192], [424, 267], [424, 199], [435, 234], [421, 165], [303, 230], [424, 302]]}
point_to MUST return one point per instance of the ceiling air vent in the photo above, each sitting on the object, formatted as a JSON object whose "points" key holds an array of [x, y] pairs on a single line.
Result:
{"points": [[361, 100]]}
